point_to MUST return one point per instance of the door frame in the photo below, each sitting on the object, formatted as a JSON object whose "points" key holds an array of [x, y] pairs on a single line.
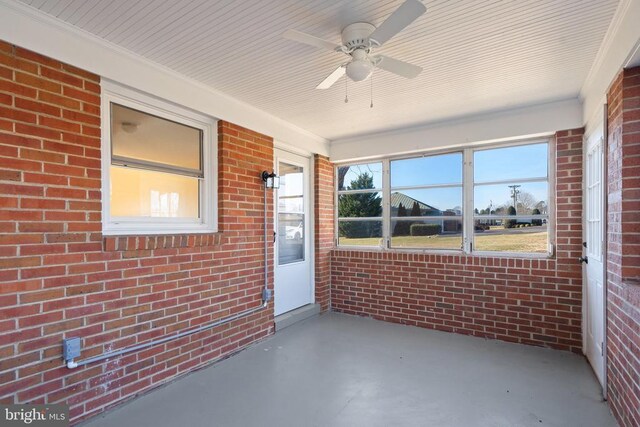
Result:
{"points": [[279, 145], [602, 122]]}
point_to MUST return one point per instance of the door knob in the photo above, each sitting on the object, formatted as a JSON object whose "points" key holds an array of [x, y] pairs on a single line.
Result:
{"points": [[583, 259]]}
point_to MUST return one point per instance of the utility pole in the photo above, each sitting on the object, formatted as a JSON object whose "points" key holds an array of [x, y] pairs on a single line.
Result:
{"points": [[514, 195]]}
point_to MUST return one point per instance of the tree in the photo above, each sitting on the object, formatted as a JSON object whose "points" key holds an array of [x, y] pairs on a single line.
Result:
{"points": [[526, 202], [415, 209], [360, 205], [536, 221], [402, 228], [542, 207], [510, 223], [342, 172]]}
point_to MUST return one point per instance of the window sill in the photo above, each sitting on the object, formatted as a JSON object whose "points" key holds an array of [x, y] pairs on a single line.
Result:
{"points": [[483, 254], [141, 242]]}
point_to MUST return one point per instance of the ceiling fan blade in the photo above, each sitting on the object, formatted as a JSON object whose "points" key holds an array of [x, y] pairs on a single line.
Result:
{"points": [[309, 40], [408, 12], [332, 78], [398, 67]]}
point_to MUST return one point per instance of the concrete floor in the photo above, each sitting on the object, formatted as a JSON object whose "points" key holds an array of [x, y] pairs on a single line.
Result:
{"points": [[338, 370]]}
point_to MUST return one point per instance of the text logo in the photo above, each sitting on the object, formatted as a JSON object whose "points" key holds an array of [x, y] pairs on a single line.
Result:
{"points": [[34, 415]]}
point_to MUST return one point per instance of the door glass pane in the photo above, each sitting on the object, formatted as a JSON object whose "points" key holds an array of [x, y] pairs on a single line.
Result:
{"points": [[141, 136], [291, 233], [142, 193], [290, 238]]}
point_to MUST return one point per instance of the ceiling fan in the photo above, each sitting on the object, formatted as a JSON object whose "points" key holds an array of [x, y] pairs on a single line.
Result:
{"points": [[360, 39]]}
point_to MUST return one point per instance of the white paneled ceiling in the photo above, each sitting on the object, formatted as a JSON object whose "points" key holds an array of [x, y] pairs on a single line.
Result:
{"points": [[478, 55]]}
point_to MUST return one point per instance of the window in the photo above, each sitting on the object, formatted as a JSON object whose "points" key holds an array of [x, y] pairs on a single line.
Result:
{"points": [[492, 199], [511, 199], [290, 213], [158, 170], [426, 202], [360, 205]]}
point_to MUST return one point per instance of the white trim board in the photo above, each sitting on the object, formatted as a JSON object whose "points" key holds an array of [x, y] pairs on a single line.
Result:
{"points": [[616, 51], [26, 27], [517, 123]]}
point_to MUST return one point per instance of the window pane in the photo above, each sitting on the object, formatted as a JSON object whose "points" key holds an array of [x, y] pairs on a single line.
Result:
{"points": [[142, 193], [356, 177], [427, 202], [431, 170], [141, 136], [290, 193], [360, 233], [430, 234], [360, 205], [526, 236], [528, 198], [290, 238], [291, 204], [511, 163]]}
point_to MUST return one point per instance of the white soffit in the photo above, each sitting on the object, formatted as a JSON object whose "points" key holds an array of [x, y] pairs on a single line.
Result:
{"points": [[477, 56]]}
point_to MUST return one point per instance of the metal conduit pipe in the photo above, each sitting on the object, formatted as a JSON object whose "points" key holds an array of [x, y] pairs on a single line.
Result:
{"points": [[73, 364], [266, 297]]}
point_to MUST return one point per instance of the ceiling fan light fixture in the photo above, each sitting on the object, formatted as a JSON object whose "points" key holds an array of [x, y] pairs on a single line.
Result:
{"points": [[359, 69]]}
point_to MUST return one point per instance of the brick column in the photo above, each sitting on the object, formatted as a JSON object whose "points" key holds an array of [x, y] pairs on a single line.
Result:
{"points": [[623, 240], [324, 228]]}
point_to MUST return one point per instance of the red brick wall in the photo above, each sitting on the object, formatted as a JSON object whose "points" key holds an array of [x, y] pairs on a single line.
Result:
{"points": [[59, 277], [623, 239], [324, 231], [531, 301]]}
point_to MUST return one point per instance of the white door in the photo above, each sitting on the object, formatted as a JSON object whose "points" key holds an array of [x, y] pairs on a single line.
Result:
{"points": [[593, 258], [293, 286]]}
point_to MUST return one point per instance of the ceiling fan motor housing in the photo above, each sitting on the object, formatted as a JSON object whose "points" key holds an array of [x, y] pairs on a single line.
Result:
{"points": [[356, 35]]}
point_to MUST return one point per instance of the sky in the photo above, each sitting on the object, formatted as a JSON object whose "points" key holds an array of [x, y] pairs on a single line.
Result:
{"points": [[511, 163]]}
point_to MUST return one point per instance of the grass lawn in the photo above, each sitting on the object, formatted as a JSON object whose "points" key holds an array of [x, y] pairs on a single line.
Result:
{"points": [[534, 241]]}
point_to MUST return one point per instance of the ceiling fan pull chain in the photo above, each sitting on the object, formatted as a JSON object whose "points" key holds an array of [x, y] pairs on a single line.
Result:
{"points": [[371, 105], [346, 89]]}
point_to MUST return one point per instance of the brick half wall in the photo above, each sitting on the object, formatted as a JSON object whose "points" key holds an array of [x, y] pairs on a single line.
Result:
{"points": [[529, 301], [59, 277]]}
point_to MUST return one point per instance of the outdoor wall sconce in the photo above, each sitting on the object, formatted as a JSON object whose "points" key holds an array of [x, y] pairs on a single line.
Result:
{"points": [[271, 180]]}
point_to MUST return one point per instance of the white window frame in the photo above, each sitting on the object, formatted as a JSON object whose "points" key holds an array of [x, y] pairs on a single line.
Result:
{"points": [[551, 202], [384, 219], [429, 186], [208, 197], [467, 202]]}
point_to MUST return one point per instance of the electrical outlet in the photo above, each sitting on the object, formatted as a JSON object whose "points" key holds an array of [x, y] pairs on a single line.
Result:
{"points": [[71, 348]]}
